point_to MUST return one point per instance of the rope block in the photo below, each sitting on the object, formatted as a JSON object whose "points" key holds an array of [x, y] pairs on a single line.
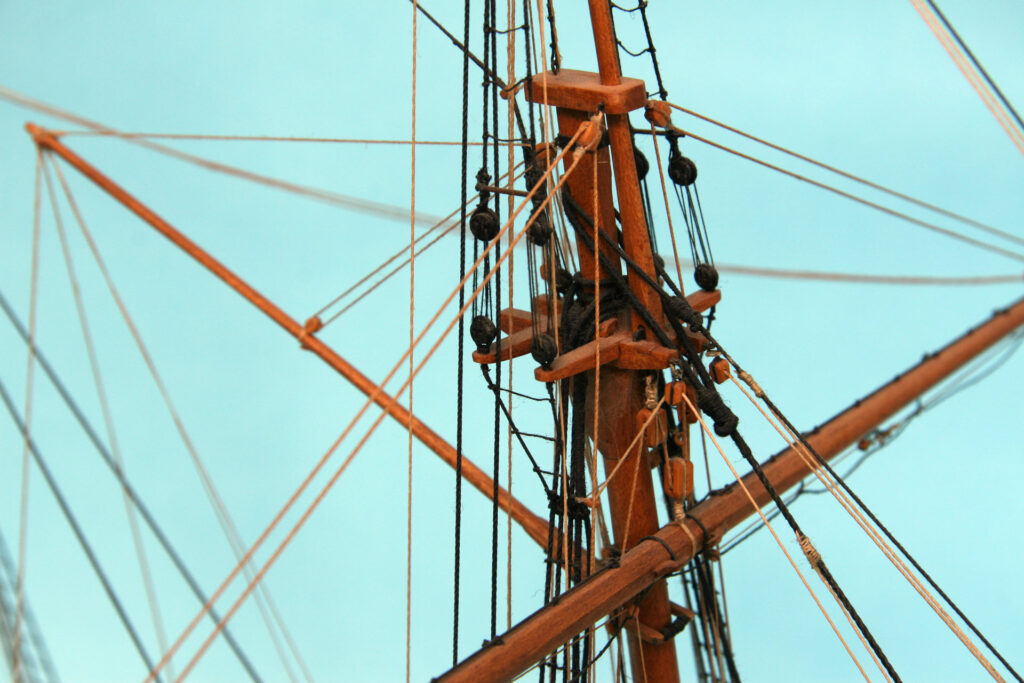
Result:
{"points": [[674, 393], [678, 478], [659, 113], [719, 370], [687, 416], [545, 155], [657, 431]]}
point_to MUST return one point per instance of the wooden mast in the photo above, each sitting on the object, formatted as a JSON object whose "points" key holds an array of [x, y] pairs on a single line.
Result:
{"points": [[632, 499], [536, 636]]}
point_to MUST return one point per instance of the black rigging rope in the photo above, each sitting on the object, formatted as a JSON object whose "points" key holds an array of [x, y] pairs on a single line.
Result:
{"points": [[144, 512], [462, 324], [977, 64], [892, 539], [641, 7], [31, 651], [76, 529], [515, 430], [710, 402]]}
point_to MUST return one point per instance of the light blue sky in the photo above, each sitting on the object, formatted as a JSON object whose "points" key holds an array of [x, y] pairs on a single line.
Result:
{"points": [[861, 85]]}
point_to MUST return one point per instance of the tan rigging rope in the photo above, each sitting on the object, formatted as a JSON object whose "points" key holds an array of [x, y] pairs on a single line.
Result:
{"points": [[858, 179], [782, 546], [792, 441], [860, 200], [412, 308], [19, 590], [254, 138], [264, 601], [327, 196], [108, 420], [334, 316], [1016, 137], [511, 162], [337, 442], [668, 211], [867, 278]]}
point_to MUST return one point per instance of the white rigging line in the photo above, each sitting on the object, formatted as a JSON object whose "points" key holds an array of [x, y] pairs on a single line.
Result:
{"points": [[264, 600], [108, 420]]}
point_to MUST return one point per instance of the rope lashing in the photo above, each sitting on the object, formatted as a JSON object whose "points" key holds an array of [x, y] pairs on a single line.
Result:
{"points": [[751, 382], [810, 552], [678, 307]]}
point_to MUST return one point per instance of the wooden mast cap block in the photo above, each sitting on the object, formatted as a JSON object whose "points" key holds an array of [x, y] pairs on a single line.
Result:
{"points": [[583, 91]]}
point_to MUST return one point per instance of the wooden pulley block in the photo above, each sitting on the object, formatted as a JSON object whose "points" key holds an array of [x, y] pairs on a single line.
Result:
{"points": [[546, 152], [686, 415], [678, 478], [543, 271], [674, 393], [656, 431], [591, 134], [719, 370], [659, 113]]}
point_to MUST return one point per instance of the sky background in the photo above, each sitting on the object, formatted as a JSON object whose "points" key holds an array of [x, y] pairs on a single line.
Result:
{"points": [[863, 86]]}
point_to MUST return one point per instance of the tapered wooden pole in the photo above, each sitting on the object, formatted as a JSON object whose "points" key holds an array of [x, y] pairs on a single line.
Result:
{"points": [[534, 526], [635, 237], [650, 561], [632, 500]]}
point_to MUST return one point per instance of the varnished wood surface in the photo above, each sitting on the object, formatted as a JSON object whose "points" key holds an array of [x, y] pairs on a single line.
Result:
{"points": [[648, 562]]}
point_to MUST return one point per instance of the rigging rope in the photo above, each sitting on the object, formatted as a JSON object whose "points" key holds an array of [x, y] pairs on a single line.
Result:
{"points": [[860, 200], [1016, 136], [34, 657], [778, 541], [821, 462], [668, 211], [858, 179], [29, 388], [461, 337], [977, 64], [108, 460], [868, 278], [220, 510], [76, 529], [337, 442], [412, 307], [831, 486], [510, 59], [101, 394], [253, 138], [334, 198]]}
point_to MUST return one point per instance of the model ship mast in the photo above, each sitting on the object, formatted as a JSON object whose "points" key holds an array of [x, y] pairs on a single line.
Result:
{"points": [[622, 358]]}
